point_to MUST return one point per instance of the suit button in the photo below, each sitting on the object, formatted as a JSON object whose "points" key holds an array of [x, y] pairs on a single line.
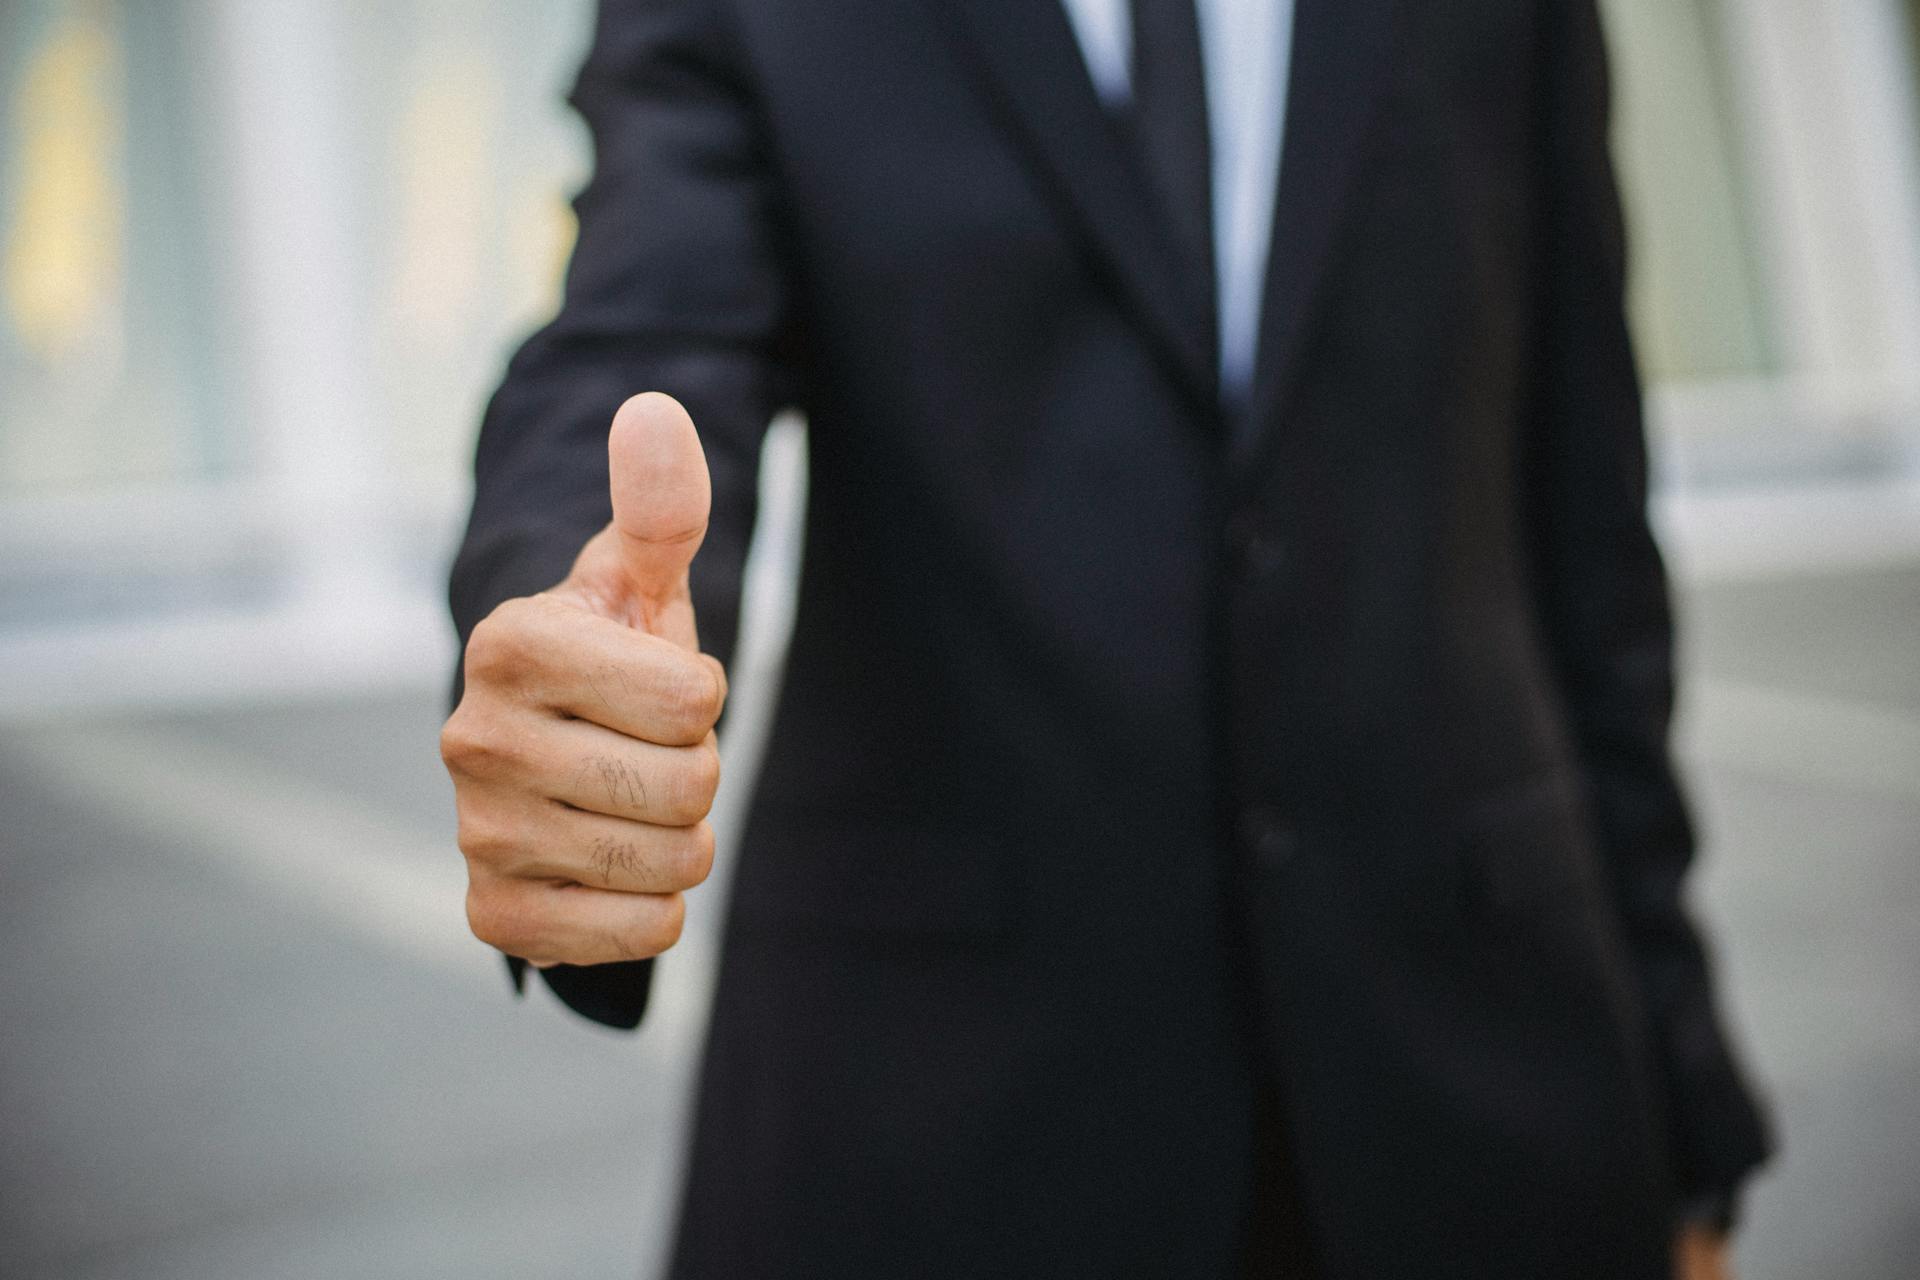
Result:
{"points": [[1271, 842], [1256, 552]]}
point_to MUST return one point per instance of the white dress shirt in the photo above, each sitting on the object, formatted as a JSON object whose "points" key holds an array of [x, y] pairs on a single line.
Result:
{"points": [[1244, 45]]}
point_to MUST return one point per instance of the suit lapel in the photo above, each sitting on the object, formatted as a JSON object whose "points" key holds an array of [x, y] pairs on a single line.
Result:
{"points": [[1028, 60], [1339, 53]]}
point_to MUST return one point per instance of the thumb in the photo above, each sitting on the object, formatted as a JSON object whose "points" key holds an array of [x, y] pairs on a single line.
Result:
{"points": [[657, 474]]}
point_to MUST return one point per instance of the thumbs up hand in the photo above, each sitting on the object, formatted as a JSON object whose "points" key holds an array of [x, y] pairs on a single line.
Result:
{"points": [[582, 751]]}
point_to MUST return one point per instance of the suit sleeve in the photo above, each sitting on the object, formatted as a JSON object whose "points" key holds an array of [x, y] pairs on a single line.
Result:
{"points": [[677, 283], [1604, 603]]}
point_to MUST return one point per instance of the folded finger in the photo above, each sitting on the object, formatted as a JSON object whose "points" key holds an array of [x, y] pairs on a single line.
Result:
{"points": [[619, 854], [593, 668], [574, 924], [599, 771]]}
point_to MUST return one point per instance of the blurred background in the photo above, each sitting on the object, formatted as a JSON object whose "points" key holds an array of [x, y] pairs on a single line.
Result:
{"points": [[260, 262]]}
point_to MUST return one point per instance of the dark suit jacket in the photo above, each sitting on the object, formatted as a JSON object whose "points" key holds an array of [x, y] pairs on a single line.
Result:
{"points": [[1122, 770]]}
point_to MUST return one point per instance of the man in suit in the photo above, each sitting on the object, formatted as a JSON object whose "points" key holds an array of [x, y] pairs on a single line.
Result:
{"points": [[1218, 819]]}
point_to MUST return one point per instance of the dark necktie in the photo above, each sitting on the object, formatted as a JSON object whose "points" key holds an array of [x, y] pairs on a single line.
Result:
{"points": [[1169, 116]]}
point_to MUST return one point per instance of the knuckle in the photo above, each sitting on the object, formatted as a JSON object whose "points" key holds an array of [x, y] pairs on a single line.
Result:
{"points": [[693, 858], [690, 699], [481, 841], [489, 650], [461, 742], [668, 921], [503, 918], [473, 746], [499, 649], [488, 838], [658, 924], [690, 797]]}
